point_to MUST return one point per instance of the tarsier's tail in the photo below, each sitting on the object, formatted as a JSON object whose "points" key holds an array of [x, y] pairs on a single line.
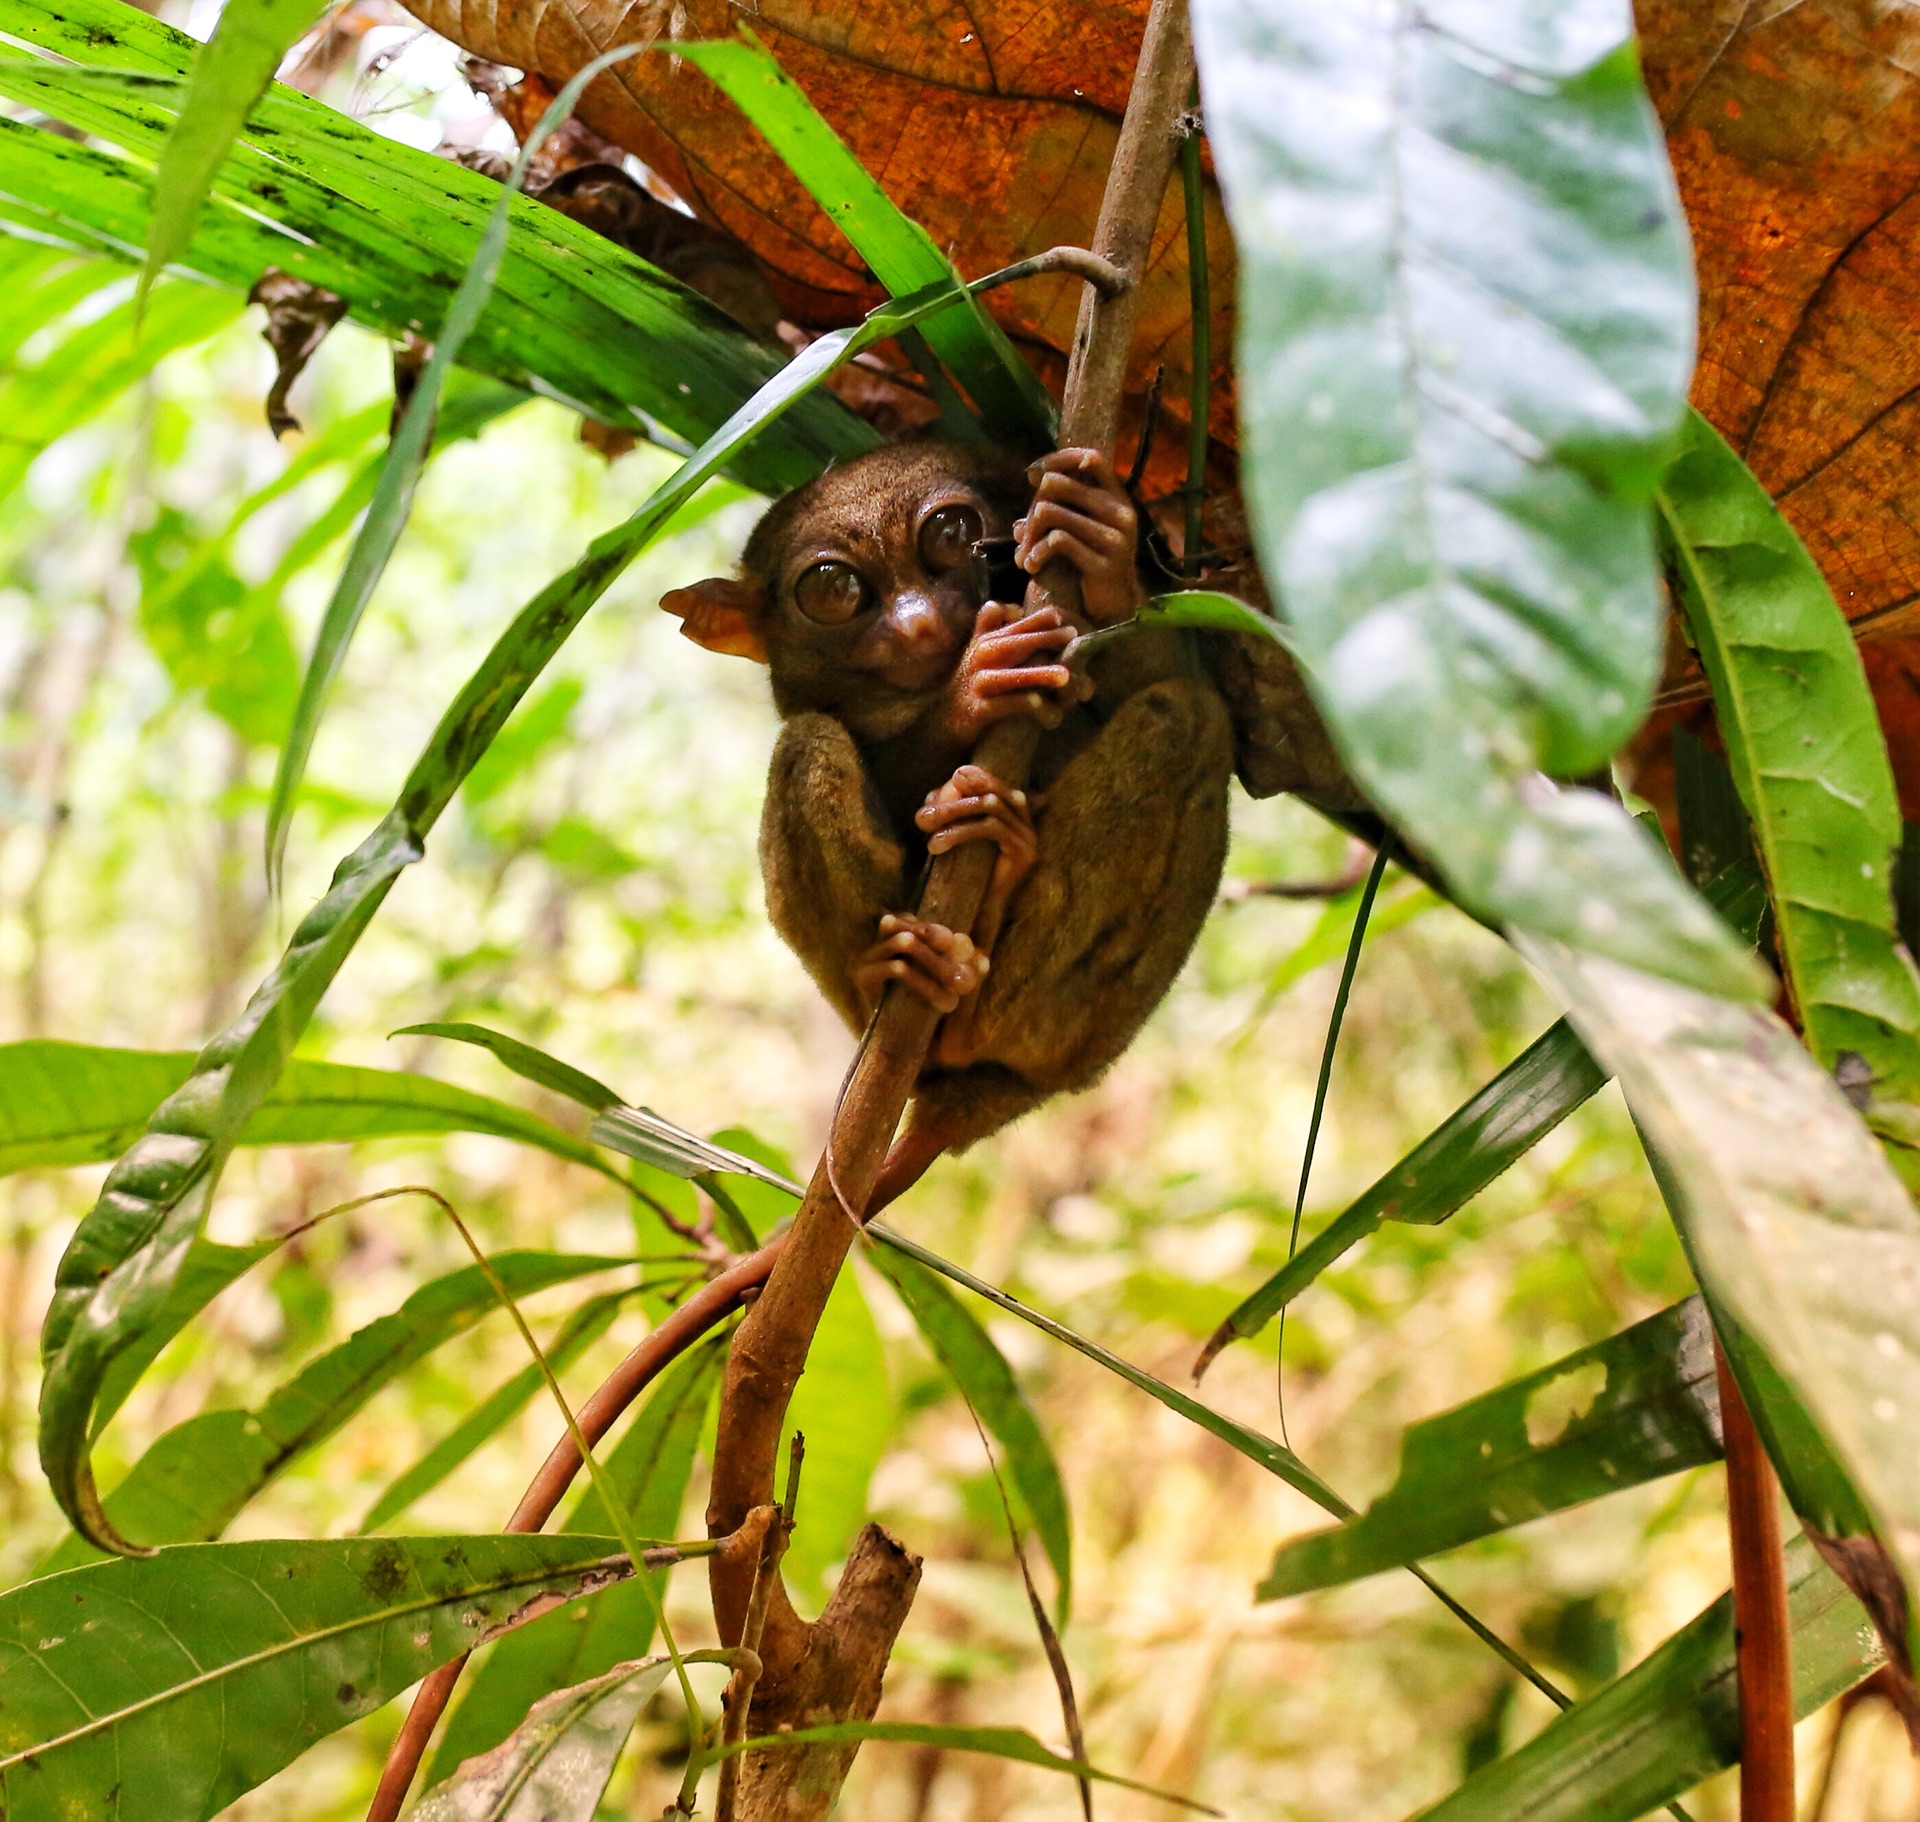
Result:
{"points": [[948, 1113]]}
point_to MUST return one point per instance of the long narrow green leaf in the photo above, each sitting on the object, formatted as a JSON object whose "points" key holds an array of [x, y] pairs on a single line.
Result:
{"points": [[1803, 739], [230, 74], [1466, 328], [525, 1060], [980, 1370], [166, 1689], [1794, 1224], [580, 1331], [1446, 1170], [556, 1765], [1672, 1720], [650, 1466], [901, 253], [1013, 1743], [64, 1103], [1625, 1411], [120, 1266], [390, 228], [1274, 1457], [400, 474], [87, 370], [43, 284], [195, 1480]]}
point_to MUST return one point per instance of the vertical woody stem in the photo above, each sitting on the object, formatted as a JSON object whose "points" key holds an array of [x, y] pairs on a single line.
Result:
{"points": [[770, 1349], [1763, 1651]]}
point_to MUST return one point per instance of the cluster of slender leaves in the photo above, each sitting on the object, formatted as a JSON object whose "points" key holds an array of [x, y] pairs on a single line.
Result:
{"points": [[1459, 422]]}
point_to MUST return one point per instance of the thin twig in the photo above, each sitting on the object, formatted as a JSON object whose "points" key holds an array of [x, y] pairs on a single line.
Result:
{"points": [[1200, 340]]}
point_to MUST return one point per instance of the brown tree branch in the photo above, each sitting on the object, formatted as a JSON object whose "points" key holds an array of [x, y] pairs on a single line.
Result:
{"points": [[1763, 1660], [769, 1351], [644, 1363]]}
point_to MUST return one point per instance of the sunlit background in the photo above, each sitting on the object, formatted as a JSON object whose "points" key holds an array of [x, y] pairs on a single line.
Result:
{"points": [[595, 889]]}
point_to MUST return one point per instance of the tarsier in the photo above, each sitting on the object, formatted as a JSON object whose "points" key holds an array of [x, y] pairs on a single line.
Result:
{"points": [[864, 595]]}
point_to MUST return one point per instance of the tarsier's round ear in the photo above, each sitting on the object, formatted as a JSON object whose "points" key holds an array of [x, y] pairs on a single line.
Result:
{"points": [[722, 614]]}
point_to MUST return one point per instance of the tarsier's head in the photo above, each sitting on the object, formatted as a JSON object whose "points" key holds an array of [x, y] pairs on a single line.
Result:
{"points": [[859, 590]]}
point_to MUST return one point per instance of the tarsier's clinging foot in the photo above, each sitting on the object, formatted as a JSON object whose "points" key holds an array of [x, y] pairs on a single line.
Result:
{"points": [[973, 805]]}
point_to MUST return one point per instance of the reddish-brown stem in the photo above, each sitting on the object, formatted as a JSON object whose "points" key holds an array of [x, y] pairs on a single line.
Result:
{"points": [[644, 1363], [1763, 1648], [770, 1350]]}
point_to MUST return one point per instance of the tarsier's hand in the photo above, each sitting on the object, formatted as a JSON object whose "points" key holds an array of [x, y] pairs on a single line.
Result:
{"points": [[938, 965], [1082, 513], [1012, 667], [973, 805]]}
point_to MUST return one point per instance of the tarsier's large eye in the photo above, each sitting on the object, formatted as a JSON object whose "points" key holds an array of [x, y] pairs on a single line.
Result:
{"points": [[831, 593], [947, 537]]}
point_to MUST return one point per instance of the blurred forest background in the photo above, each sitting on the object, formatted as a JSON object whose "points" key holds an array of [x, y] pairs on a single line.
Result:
{"points": [[596, 891]]}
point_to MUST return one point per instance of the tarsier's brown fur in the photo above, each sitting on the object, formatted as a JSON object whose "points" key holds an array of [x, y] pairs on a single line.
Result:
{"points": [[1104, 874]]}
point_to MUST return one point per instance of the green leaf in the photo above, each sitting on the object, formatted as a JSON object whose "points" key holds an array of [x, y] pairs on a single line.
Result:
{"points": [[230, 74], [1795, 1226], [64, 1103], [540, 725], [166, 1688], [559, 1760], [579, 1332], [524, 1060], [1445, 1171], [1674, 1719], [44, 284], [390, 228], [119, 1267], [1625, 1411], [194, 1480], [1202, 609], [843, 1405], [1403, 900], [1274, 1457], [1804, 743], [400, 473], [901, 254], [651, 1467], [1466, 324], [89, 368], [980, 1370], [1013, 1743], [639, 1132]]}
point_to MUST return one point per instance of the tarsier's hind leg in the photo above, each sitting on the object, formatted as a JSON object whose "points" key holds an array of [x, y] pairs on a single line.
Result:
{"points": [[1131, 844]]}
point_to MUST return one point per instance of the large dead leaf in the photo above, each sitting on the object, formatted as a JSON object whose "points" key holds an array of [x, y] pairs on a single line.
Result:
{"points": [[1795, 132], [991, 122]]}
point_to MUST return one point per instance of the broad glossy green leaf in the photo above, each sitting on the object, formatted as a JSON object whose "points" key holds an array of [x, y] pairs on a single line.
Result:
{"points": [[1674, 1719], [166, 1688], [1803, 739], [406, 460], [64, 1103], [1795, 1226], [1620, 1413], [89, 368], [650, 1466], [980, 1370], [1446, 1170], [844, 1407], [230, 74], [1466, 327], [556, 1765], [901, 253], [578, 1333], [1013, 1743], [194, 1481], [120, 1265], [391, 229]]}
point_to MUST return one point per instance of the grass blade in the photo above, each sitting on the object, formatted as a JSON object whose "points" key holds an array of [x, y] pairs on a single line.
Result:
{"points": [[1446, 1170], [230, 74]]}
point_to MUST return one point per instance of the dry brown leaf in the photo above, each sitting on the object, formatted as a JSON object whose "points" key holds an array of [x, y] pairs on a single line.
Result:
{"points": [[991, 122]]}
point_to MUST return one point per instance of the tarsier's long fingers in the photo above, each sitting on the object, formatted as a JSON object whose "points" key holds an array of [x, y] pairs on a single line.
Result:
{"points": [[1081, 513], [976, 806], [937, 965]]}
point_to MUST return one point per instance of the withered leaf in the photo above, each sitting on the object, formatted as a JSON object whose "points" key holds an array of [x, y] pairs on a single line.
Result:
{"points": [[298, 318]]}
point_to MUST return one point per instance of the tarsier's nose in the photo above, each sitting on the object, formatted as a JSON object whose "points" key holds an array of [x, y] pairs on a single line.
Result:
{"points": [[918, 623]]}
